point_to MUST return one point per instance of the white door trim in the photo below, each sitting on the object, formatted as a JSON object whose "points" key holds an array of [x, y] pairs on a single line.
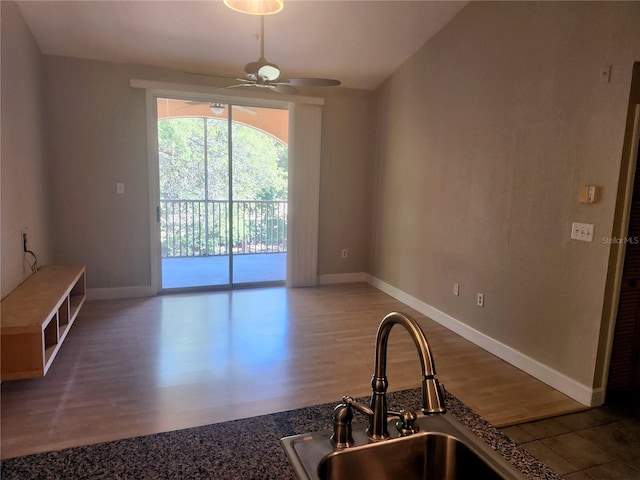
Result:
{"points": [[155, 90]]}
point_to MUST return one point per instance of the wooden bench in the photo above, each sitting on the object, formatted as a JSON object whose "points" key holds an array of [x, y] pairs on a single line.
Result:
{"points": [[36, 317]]}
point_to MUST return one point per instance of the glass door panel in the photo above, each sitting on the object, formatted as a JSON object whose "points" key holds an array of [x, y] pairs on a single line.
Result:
{"points": [[259, 192], [223, 194]]}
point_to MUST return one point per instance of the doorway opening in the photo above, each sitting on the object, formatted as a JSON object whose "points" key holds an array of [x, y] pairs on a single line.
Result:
{"points": [[623, 383], [223, 174]]}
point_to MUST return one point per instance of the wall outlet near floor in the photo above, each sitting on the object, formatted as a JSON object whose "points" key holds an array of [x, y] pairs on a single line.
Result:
{"points": [[345, 253], [119, 188], [480, 300], [456, 289]]}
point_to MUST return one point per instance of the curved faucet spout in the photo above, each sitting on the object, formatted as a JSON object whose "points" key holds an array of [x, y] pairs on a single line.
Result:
{"points": [[417, 335], [432, 392]]}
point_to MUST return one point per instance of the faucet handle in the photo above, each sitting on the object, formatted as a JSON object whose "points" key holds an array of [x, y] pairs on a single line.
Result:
{"points": [[342, 416], [405, 424], [360, 407]]}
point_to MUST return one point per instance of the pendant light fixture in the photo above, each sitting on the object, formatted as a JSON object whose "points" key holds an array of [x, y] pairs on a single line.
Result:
{"points": [[255, 7]]}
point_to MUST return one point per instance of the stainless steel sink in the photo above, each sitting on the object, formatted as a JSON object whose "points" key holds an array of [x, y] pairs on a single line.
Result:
{"points": [[442, 449]]}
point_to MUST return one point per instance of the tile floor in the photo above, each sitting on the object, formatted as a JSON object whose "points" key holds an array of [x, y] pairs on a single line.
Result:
{"points": [[601, 443]]}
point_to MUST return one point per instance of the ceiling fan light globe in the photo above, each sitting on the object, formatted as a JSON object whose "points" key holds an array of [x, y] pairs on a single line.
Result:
{"points": [[269, 71], [255, 7]]}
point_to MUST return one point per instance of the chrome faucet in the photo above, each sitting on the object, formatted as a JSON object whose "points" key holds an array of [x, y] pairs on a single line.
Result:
{"points": [[432, 392]]}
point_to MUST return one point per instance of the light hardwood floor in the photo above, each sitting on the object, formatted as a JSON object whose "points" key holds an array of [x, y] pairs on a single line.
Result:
{"points": [[139, 366]]}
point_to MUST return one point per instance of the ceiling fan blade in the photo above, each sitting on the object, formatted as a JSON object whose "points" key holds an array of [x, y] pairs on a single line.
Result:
{"points": [[286, 89], [235, 86], [198, 74], [190, 104], [310, 82], [245, 109]]}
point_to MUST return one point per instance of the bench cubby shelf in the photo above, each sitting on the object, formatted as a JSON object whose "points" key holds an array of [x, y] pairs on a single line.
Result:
{"points": [[36, 318]]}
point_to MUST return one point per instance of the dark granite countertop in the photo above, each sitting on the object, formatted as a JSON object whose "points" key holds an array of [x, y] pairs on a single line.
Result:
{"points": [[246, 449]]}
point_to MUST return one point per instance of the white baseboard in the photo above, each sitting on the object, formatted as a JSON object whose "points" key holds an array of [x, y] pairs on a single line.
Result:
{"points": [[119, 292], [579, 392], [344, 278]]}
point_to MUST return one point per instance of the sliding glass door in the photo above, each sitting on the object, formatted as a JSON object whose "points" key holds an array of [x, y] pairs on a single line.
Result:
{"points": [[223, 172]]}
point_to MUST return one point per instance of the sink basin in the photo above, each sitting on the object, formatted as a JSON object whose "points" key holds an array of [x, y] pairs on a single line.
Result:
{"points": [[443, 449], [435, 456]]}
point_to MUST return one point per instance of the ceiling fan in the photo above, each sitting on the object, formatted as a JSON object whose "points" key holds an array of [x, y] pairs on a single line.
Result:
{"points": [[264, 74]]}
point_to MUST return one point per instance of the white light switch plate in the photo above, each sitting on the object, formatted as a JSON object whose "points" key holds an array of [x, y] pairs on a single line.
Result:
{"points": [[582, 232]]}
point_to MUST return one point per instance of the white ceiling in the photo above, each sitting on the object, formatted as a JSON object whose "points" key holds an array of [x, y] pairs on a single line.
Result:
{"points": [[358, 42]]}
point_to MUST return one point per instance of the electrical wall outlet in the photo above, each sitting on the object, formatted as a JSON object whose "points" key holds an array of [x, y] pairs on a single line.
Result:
{"points": [[456, 289], [119, 188], [345, 253], [480, 300]]}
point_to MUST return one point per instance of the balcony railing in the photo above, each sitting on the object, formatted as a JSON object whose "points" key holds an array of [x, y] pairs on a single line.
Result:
{"points": [[191, 228]]}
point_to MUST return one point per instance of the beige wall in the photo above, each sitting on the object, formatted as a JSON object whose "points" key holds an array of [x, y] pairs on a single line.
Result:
{"points": [[486, 134], [346, 182], [25, 195], [98, 137]]}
